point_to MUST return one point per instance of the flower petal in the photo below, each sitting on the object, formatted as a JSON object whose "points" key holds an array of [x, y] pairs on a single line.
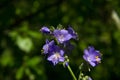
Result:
{"points": [[86, 52], [92, 64]]}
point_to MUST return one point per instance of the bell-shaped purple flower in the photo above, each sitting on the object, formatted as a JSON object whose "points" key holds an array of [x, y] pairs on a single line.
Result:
{"points": [[62, 35], [45, 30], [48, 47], [72, 32], [56, 56], [92, 56]]}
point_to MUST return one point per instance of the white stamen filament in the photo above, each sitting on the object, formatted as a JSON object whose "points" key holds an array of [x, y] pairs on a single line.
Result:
{"points": [[61, 37], [57, 55]]}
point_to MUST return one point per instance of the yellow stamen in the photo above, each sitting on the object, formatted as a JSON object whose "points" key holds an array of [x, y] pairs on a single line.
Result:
{"points": [[97, 59]]}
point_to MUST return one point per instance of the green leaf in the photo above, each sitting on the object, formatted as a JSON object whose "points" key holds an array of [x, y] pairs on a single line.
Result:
{"points": [[24, 44], [35, 34], [59, 26], [33, 61], [29, 74], [6, 58], [20, 72]]}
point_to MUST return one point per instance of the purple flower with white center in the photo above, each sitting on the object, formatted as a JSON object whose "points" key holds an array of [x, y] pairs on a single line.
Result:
{"points": [[57, 56], [72, 32], [48, 47], [62, 35], [44, 29], [92, 56]]}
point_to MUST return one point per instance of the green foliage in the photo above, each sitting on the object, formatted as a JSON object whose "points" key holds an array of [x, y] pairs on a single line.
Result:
{"points": [[117, 36], [20, 72], [7, 58], [21, 42]]}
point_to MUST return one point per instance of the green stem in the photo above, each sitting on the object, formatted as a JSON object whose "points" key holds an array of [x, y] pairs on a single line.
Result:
{"points": [[71, 72]]}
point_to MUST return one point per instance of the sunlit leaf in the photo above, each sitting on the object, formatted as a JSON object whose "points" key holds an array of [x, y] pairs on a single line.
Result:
{"points": [[24, 44]]}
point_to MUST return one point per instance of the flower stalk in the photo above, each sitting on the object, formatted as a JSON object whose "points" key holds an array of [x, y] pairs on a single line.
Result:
{"points": [[71, 72]]}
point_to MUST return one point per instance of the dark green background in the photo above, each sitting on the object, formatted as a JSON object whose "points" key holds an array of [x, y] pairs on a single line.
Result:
{"points": [[21, 42]]}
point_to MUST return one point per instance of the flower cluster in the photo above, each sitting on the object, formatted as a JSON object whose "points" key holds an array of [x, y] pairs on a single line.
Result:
{"points": [[59, 45], [56, 51]]}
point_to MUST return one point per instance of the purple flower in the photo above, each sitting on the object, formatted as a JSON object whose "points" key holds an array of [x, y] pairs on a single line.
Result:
{"points": [[48, 47], [44, 29], [92, 56], [56, 56], [72, 32], [62, 35]]}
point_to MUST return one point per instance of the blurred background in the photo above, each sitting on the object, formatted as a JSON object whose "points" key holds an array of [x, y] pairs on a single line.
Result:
{"points": [[97, 23]]}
